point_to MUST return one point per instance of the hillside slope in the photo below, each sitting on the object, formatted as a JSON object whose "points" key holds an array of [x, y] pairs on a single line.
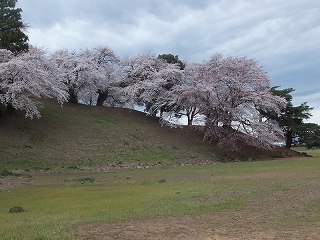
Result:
{"points": [[79, 135]]}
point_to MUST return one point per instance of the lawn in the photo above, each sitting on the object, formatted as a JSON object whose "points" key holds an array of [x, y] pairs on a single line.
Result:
{"points": [[57, 202]]}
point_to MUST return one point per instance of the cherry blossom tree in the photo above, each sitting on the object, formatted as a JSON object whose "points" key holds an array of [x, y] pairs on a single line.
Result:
{"points": [[234, 91], [69, 66], [88, 74], [26, 78], [157, 91], [134, 71], [5, 55], [104, 83], [148, 79], [185, 96]]}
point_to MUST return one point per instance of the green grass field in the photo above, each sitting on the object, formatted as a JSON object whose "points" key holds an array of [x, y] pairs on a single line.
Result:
{"points": [[54, 208], [63, 171]]}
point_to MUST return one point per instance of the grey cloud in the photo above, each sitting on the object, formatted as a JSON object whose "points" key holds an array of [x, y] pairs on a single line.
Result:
{"points": [[283, 35]]}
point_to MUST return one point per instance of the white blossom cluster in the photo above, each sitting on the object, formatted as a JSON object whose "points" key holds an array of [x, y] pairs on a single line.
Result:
{"points": [[229, 93]]}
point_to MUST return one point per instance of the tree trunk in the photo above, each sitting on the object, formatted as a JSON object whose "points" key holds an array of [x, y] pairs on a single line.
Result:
{"points": [[73, 98], [150, 110], [288, 139], [190, 120], [103, 95]]}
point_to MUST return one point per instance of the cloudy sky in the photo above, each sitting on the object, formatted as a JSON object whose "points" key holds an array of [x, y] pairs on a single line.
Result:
{"points": [[282, 35]]}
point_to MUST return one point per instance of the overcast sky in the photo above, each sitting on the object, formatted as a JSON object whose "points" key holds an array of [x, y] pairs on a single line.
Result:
{"points": [[282, 35]]}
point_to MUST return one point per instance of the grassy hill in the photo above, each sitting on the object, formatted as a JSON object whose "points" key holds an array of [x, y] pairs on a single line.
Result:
{"points": [[59, 179], [79, 135]]}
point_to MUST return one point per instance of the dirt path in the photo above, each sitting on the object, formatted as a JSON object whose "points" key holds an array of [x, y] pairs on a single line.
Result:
{"points": [[222, 226], [278, 216]]}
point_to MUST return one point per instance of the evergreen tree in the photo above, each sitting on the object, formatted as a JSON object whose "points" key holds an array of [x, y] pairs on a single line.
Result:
{"points": [[309, 134], [291, 118], [169, 58], [12, 36]]}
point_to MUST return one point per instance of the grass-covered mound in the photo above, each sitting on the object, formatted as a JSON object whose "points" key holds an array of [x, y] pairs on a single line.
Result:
{"points": [[80, 135]]}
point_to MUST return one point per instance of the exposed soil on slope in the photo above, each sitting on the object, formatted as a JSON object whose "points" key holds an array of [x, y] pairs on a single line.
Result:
{"points": [[251, 153]]}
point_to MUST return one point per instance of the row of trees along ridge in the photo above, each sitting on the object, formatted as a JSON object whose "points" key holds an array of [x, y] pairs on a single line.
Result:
{"points": [[232, 95]]}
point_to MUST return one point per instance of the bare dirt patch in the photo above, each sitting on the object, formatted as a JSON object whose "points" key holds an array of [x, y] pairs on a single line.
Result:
{"points": [[221, 226], [286, 214]]}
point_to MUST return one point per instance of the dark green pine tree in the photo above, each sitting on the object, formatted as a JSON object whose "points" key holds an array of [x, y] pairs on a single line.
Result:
{"points": [[12, 36], [309, 134], [291, 118], [169, 58]]}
